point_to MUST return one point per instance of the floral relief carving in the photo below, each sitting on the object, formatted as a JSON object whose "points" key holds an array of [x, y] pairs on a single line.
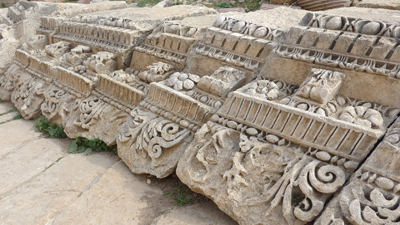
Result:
{"points": [[57, 104], [149, 139], [363, 116], [182, 81], [156, 72]]}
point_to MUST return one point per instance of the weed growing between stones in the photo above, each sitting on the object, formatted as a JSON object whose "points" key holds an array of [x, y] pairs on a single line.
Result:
{"points": [[17, 117], [84, 145], [180, 195], [143, 3], [12, 110], [222, 5], [52, 130]]}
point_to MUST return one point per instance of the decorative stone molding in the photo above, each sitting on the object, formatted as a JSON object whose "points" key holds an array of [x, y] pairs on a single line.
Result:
{"points": [[372, 194], [176, 107], [286, 124]]}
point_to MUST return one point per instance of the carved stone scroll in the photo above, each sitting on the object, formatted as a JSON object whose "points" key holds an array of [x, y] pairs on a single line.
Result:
{"points": [[372, 196], [158, 132]]}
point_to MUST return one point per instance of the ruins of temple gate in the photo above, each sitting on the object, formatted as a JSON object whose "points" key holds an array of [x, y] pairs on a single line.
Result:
{"points": [[292, 122]]}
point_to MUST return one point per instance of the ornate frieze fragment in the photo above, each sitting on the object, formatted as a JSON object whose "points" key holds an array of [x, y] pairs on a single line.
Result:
{"points": [[158, 132], [233, 42], [372, 195], [319, 137]]}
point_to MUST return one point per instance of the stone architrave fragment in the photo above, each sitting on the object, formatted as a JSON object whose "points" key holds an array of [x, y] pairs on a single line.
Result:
{"points": [[283, 145], [159, 131], [184, 100], [372, 195], [276, 124]]}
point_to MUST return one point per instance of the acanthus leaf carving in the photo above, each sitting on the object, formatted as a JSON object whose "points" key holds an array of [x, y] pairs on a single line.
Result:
{"points": [[151, 140]]}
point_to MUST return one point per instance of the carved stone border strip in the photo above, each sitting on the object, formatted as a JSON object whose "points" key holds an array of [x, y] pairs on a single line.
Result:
{"points": [[371, 66], [74, 81], [324, 133], [162, 53], [119, 92], [350, 24], [229, 57]]}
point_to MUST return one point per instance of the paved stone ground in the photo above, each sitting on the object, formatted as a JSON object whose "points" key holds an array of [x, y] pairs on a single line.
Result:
{"points": [[41, 183]]}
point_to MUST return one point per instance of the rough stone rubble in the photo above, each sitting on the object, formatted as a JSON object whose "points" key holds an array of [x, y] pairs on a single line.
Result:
{"points": [[278, 119]]}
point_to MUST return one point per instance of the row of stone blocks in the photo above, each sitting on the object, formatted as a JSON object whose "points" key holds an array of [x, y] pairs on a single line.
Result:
{"points": [[269, 135]]}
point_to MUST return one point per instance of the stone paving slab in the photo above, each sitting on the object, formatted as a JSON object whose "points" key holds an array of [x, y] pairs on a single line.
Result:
{"points": [[6, 107], [15, 133], [8, 116], [118, 196], [41, 183], [41, 198], [30, 160], [199, 214]]}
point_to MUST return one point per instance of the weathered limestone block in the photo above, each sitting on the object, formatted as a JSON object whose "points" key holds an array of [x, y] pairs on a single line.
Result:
{"points": [[93, 118], [170, 43], [27, 95], [57, 105], [8, 82], [101, 63], [58, 49], [35, 43], [260, 178], [309, 129], [233, 42], [152, 144], [120, 31], [317, 5], [362, 49], [8, 46], [371, 197], [75, 70], [321, 86], [157, 134], [73, 10], [78, 55]]}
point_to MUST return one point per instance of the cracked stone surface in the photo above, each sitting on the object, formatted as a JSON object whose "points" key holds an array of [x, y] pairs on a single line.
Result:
{"points": [[15, 133], [41, 183]]}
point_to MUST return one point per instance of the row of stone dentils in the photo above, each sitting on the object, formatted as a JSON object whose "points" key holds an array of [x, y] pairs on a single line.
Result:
{"points": [[168, 115]]}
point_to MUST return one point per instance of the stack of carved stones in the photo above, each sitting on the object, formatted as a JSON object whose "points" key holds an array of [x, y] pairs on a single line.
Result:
{"points": [[269, 123]]}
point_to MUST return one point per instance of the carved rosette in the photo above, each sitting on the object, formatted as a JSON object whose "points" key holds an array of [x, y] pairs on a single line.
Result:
{"points": [[148, 143]]}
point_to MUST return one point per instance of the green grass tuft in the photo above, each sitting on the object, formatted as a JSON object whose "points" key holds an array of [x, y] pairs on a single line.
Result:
{"points": [[84, 145], [180, 195], [52, 130]]}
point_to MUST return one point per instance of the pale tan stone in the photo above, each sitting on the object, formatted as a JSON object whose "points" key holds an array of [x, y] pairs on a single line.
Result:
{"points": [[200, 214], [9, 116], [16, 132], [41, 198], [117, 198], [37, 156], [385, 4], [268, 113], [6, 107]]}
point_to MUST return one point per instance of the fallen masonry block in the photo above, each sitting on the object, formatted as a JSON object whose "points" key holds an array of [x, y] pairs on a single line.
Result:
{"points": [[281, 116]]}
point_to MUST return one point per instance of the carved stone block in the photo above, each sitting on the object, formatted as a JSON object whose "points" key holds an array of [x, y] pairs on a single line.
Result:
{"points": [[372, 195]]}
